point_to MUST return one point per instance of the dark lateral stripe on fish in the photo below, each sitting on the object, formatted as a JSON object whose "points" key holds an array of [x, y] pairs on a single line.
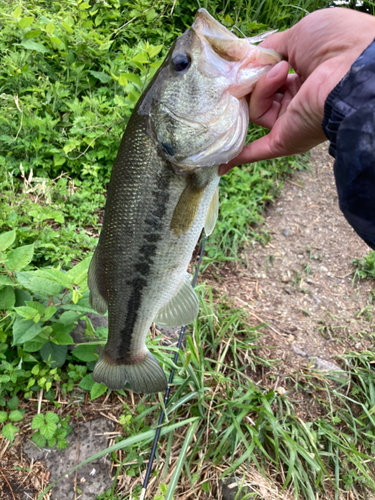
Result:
{"points": [[152, 235]]}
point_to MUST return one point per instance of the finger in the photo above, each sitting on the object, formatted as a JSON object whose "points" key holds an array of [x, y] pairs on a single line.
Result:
{"points": [[262, 96], [261, 149], [278, 42]]}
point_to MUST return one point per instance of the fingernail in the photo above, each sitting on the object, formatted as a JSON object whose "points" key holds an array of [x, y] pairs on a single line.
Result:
{"points": [[275, 70]]}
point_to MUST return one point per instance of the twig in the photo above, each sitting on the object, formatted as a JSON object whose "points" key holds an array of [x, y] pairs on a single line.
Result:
{"points": [[77, 462], [40, 400], [9, 486], [21, 111]]}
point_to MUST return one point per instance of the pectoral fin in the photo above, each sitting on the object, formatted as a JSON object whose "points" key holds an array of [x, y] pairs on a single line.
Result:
{"points": [[97, 301], [182, 309], [187, 207], [213, 212]]}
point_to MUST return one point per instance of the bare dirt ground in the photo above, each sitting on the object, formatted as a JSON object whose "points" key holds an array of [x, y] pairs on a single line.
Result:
{"points": [[301, 282]]}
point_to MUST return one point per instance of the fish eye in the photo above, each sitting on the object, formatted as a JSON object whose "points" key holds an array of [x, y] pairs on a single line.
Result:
{"points": [[181, 61]]}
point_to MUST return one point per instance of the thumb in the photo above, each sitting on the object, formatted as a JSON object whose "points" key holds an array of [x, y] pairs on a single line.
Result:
{"points": [[278, 42]]}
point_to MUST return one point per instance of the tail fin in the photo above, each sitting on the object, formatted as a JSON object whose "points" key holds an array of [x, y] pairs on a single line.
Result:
{"points": [[146, 377]]}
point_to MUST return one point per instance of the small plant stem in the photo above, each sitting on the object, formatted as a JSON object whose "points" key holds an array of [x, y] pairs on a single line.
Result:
{"points": [[166, 397], [9, 486], [40, 400]]}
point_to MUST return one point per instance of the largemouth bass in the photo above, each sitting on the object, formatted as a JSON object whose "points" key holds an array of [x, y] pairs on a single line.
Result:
{"points": [[192, 117]]}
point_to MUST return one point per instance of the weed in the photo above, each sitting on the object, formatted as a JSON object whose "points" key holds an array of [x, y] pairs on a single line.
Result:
{"points": [[365, 267]]}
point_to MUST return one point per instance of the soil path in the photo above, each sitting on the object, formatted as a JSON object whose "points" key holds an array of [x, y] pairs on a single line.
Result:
{"points": [[301, 282]]}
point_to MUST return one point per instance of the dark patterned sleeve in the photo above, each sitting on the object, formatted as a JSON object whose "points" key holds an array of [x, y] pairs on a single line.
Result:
{"points": [[349, 124]]}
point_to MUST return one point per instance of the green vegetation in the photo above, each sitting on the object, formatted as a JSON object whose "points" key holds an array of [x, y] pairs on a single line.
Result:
{"points": [[365, 267], [69, 77]]}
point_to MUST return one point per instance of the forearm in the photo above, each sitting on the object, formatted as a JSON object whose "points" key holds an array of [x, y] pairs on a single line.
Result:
{"points": [[349, 124]]}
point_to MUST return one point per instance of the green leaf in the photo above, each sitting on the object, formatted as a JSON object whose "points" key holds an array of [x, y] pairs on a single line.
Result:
{"points": [[84, 6], [62, 339], [87, 382], [52, 442], [55, 40], [3, 416], [31, 45], [180, 461], [34, 345], [51, 418], [17, 12], [62, 444], [78, 274], [24, 331], [50, 311], [54, 354], [39, 440], [38, 306], [37, 421], [13, 403], [86, 352], [25, 22], [7, 298], [32, 34], [154, 51], [97, 390], [67, 27], [69, 317], [133, 78], [27, 312], [9, 432], [140, 58], [39, 286], [5, 280], [20, 257], [50, 28], [6, 239], [48, 430], [206, 486], [56, 276], [100, 75], [122, 80], [16, 415]]}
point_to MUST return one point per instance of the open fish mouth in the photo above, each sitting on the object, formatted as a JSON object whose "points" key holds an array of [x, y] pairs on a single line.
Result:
{"points": [[237, 58]]}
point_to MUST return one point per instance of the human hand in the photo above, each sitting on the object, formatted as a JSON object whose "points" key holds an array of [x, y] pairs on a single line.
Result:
{"points": [[321, 49]]}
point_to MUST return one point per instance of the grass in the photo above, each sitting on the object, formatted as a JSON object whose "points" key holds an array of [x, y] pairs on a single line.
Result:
{"points": [[364, 267], [235, 423]]}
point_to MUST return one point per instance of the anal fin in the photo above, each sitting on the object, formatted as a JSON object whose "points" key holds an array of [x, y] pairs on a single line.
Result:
{"points": [[97, 301], [182, 309]]}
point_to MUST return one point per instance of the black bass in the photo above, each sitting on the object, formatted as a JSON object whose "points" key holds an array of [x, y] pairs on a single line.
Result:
{"points": [[192, 117]]}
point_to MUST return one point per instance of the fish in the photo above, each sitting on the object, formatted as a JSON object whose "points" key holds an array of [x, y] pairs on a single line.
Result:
{"points": [[163, 191]]}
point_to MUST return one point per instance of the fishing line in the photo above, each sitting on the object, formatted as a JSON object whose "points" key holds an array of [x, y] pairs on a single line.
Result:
{"points": [[161, 418]]}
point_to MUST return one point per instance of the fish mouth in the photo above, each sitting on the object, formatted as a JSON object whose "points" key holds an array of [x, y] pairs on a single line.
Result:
{"points": [[234, 57]]}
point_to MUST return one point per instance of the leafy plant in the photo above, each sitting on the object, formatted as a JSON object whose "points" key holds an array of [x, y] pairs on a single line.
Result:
{"points": [[52, 430], [365, 267], [9, 430]]}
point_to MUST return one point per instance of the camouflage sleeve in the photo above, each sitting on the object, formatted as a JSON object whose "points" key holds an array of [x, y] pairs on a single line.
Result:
{"points": [[349, 124]]}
